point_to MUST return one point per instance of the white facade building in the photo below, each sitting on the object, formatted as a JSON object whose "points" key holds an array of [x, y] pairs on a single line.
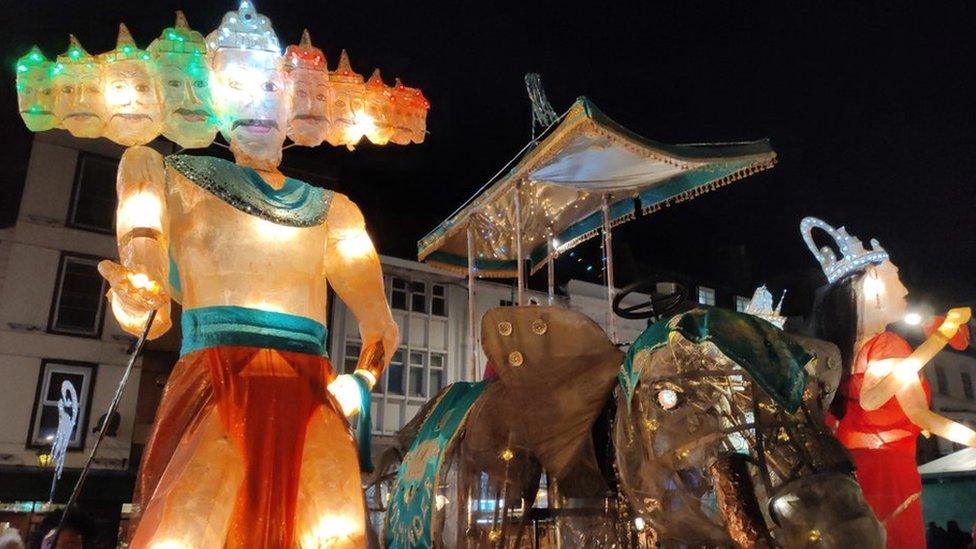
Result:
{"points": [[950, 375], [54, 326]]}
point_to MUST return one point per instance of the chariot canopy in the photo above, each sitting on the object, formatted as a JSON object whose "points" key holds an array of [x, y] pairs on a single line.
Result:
{"points": [[563, 183]]}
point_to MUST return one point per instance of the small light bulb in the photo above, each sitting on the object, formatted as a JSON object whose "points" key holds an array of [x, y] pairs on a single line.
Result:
{"points": [[913, 319]]}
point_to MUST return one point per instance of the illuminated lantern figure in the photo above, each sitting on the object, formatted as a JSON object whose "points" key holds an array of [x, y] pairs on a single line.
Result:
{"points": [[35, 91], [78, 101], [250, 447], [184, 75], [376, 103], [309, 78], [883, 402], [132, 96], [346, 105]]}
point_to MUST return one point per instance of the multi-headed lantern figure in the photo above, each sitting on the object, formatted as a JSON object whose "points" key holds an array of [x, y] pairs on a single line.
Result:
{"points": [[181, 66], [35, 91], [131, 92], [78, 102], [309, 75], [235, 81]]}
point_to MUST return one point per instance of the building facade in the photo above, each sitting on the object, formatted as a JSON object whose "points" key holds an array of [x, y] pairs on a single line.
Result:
{"points": [[54, 324]]}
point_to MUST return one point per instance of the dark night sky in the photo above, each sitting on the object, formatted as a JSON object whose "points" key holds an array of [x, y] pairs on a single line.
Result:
{"points": [[870, 108]]}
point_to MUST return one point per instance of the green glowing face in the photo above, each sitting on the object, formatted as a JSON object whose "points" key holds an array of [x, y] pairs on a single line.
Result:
{"points": [[78, 101], [189, 118], [35, 91]]}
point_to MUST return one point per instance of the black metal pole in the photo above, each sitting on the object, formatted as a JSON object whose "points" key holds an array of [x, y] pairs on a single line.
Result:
{"points": [[140, 343]]}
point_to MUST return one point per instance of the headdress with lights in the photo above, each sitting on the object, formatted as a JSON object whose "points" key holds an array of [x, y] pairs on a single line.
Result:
{"points": [[244, 29], [854, 257], [75, 55], [305, 56], [125, 49], [179, 39]]}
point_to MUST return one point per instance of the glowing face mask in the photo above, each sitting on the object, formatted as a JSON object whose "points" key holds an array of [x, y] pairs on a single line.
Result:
{"points": [[132, 95], [377, 108], [35, 91], [184, 77], [78, 100], [309, 80], [345, 101], [252, 102]]}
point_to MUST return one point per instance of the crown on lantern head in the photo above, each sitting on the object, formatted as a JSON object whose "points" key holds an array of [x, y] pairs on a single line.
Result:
{"points": [[761, 305], [75, 55], [244, 29], [344, 72], [305, 55], [33, 58], [179, 39], [854, 256], [125, 48]]}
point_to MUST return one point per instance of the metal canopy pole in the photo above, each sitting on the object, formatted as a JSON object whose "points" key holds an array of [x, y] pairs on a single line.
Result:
{"points": [[608, 260], [518, 242], [472, 344], [551, 275]]}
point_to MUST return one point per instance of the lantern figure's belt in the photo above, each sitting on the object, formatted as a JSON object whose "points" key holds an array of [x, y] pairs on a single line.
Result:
{"points": [[240, 326]]}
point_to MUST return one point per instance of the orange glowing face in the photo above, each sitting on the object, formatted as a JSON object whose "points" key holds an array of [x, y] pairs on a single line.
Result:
{"points": [[133, 101], [78, 100]]}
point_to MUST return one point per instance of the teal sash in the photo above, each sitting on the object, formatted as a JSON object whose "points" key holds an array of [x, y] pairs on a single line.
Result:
{"points": [[410, 514], [243, 327], [774, 360]]}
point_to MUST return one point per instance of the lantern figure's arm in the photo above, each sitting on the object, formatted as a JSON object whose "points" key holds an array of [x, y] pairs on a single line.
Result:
{"points": [[913, 401], [138, 281], [885, 378], [353, 269]]}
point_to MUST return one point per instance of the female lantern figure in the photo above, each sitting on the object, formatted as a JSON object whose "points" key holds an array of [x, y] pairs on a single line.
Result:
{"points": [[181, 67], [78, 101], [249, 448], [35, 91], [309, 77], [883, 403], [132, 96]]}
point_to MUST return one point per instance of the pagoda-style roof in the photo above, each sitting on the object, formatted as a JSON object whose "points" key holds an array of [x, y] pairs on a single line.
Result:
{"points": [[564, 178]]}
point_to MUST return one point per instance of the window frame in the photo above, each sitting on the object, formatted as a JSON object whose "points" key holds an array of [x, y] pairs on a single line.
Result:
{"points": [[744, 301], [56, 298], [76, 190], [941, 380], [707, 289], [84, 400]]}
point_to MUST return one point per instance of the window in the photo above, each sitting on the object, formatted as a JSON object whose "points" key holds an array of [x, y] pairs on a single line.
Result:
{"points": [[505, 303], [967, 385], [79, 297], [941, 381], [706, 296], [437, 377], [394, 374], [417, 363], [741, 303], [351, 357], [413, 296], [438, 303], [44, 418], [93, 197]]}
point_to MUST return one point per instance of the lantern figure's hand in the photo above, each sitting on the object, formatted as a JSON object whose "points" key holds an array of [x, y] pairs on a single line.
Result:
{"points": [[133, 296], [346, 391], [952, 327]]}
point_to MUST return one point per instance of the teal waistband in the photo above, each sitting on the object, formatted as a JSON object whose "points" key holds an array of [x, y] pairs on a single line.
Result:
{"points": [[243, 327]]}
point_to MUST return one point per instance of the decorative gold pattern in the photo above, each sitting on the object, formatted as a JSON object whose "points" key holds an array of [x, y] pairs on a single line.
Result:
{"points": [[515, 358], [539, 326], [505, 328]]}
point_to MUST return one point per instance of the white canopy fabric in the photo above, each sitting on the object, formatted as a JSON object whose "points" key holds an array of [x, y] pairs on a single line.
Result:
{"points": [[563, 180], [961, 462]]}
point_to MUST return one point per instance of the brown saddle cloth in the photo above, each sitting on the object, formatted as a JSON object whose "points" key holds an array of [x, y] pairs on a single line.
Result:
{"points": [[556, 370]]}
